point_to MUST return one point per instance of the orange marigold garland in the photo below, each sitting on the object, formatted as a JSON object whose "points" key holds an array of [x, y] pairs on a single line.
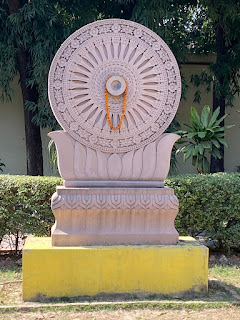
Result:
{"points": [[123, 108]]}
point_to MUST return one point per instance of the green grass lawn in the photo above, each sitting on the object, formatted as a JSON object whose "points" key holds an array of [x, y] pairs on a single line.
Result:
{"points": [[229, 274], [10, 273]]}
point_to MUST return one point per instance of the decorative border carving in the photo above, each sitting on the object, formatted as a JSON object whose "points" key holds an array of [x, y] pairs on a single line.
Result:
{"points": [[166, 98], [96, 201]]}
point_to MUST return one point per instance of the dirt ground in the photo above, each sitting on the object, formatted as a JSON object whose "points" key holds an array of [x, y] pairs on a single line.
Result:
{"points": [[232, 313]]}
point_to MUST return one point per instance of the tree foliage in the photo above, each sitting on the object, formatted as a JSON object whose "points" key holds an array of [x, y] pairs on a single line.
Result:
{"points": [[221, 32], [213, 17], [172, 21], [39, 27]]}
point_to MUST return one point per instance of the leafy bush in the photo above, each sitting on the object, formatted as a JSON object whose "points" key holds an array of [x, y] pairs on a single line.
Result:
{"points": [[25, 204], [207, 203], [211, 204]]}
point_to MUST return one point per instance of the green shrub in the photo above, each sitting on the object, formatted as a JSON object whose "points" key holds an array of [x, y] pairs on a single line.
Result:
{"points": [[207, 203], [25, 204], [211, 204]]}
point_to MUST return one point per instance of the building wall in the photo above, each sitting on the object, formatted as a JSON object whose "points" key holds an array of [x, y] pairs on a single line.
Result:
{"points": [[232, 154], [12, 142], [185, 108], [12, 134]]}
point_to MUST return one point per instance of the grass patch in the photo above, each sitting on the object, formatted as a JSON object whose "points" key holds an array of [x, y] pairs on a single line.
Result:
{"points": [[128, 305], [136, 311], [11, 294], [10, 273], [229, 274]]}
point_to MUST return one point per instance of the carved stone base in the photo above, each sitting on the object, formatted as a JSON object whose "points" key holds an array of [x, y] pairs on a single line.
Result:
{"points": [[116, 216]]}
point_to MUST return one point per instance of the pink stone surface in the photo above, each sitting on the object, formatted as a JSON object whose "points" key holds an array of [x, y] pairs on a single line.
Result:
{"points": [[107, 48], [78, 162], [113, 190], [116, 216]]}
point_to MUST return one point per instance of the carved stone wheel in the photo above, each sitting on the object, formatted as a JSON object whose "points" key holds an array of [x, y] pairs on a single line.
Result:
{"points": [[77, 82]]}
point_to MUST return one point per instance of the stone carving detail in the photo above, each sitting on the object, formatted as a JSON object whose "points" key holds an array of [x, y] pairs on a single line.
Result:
{"points": [[113, 190], [104, 216], [114, 201], [114, 47], [151, 162]]}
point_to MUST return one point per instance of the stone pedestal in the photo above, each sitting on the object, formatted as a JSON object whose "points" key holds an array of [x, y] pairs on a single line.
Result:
{"points": [[114, 216], [114, 219], [90, 271]]}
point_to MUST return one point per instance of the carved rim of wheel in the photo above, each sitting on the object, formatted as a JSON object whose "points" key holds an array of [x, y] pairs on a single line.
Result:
{"points": [[114, 47]]}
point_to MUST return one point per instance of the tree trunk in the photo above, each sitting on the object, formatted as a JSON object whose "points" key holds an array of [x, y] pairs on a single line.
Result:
{"points": [[217, 165], [219, 99], [32, 131]]}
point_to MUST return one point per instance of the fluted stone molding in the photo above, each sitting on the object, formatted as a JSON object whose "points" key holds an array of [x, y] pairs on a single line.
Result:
{"points": [[78, 163], [114, 216]]}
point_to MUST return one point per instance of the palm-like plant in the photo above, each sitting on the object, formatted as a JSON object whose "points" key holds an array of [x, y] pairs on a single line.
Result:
{"points": [[52, 153], [204, 137]]}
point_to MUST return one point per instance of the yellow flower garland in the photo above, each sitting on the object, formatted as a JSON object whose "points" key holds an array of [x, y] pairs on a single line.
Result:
{"points": [[123, 108]]}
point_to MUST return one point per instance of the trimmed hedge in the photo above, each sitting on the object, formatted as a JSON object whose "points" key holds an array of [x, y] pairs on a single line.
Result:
{"points": [[25, 204], [207, 203]]}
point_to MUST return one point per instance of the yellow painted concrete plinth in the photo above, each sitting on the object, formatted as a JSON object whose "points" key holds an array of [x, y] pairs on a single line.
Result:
{"points": [[77, 271]]}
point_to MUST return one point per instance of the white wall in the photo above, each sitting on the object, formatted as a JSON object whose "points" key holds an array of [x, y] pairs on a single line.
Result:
{"points": [[232, 154], [185, 108], [12, 134]]}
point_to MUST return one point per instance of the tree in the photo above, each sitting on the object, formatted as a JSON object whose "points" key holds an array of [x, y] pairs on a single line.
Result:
{"points": [[31, 33], [200, 27], [34, 30], [217, 27], [172, 21], [8, 70]]}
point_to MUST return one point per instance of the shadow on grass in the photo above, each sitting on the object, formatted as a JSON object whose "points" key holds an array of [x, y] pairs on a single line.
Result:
{"points": [[215, 294]]}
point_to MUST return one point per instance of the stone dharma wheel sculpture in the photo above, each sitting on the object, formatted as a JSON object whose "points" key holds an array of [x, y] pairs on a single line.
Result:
{"points": [[114, 87]]}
